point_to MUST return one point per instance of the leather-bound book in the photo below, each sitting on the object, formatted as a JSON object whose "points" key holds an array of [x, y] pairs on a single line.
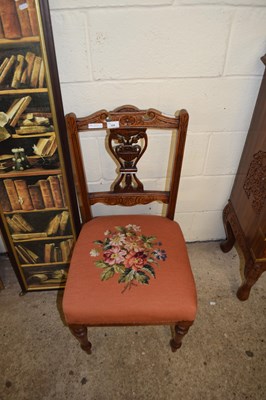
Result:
{"points": [[29, 59], [46, 193], [16, 109], [42, 76], [12, 194], [23, 16], [36, 197], [15, 228], [34, 80], [5, 203], [25, 226], [33, 17], [9, 18], [6, 69], [48, 252], [18, 71], [62, 187], [56, 191], [24, 194], [63, 222], [1, 30]]}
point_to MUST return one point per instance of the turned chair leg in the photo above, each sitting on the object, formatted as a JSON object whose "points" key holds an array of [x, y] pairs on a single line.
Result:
{"points": [[80, 333], [180, 330]]}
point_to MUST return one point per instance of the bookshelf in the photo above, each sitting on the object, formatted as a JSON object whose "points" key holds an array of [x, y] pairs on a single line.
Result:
{"points": [[39, 214]]}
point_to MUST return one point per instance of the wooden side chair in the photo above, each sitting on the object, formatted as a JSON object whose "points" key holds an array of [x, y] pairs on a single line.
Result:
{"points": [[129, 269]]}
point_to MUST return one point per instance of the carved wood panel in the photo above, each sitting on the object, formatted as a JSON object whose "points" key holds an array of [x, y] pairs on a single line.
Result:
{"points": [[255, 182]]}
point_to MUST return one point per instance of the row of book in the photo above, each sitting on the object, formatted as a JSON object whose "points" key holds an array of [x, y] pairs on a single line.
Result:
{"points": [[18, 18], [45, 193], [22, 71], [52, 252], [21, 229]]}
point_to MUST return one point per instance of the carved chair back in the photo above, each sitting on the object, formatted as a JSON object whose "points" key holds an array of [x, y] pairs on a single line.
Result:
{"points": [[127, 140]]}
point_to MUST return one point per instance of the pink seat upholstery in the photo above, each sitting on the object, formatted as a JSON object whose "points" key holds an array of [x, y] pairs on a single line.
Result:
{"points": [[167, 298]]}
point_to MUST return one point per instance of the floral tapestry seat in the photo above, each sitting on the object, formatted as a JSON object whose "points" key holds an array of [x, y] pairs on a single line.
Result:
{"points": [[142, 277]]}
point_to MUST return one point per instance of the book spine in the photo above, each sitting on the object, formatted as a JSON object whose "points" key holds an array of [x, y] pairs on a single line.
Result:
{"points": [[7, 70], [18, 72], [65, 250], [63, 222], [29, 58], [41, 75], [24, 195], [29, 256], [48, 250], [10, 21], [12, 194], [25, 226], [3, 65], [5, 203], [23, 16], [1, 29], [34, 80], [56, 191], [33, 17], [12, 224], [62, 187], [46, 193], [23, 258], [36, 197], [21, 109]]}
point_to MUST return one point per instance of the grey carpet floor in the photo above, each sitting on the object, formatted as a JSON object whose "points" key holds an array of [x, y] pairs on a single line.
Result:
{"points": [[222, 357]]}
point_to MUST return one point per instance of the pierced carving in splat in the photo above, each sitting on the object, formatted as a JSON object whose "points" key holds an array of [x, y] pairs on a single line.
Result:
{"points": [[127, 146]]}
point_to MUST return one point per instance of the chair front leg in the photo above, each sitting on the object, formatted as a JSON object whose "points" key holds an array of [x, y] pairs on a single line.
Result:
{"points": [[80, 333], [180, 330]]}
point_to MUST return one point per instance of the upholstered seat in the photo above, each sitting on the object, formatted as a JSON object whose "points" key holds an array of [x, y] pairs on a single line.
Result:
{"points": [[169, 296], [129, 269]]}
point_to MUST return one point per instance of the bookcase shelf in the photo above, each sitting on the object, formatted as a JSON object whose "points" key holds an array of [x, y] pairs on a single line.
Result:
{"points": [[19, 42], [29, 91], [48, 238], [35, 135], [44, 210], [30, 172], [39, 215]]}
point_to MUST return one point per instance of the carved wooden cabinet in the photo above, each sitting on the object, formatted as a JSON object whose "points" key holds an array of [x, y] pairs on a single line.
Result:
{"points": [[39, 216], [245, 214]]}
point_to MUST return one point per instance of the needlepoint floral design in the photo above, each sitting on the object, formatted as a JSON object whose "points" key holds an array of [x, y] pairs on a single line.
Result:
{"points": [[125, 251]]}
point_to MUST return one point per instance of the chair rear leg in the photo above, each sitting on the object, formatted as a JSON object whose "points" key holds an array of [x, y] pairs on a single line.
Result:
{"points": [[80, 333], [180, 330]]}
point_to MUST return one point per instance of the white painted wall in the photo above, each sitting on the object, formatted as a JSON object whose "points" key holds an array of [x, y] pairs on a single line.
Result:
{"points": [[202, 55]]}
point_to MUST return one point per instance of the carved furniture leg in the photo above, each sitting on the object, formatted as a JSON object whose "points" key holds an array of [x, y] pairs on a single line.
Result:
{"points": [[80, 333], [180, 330], [252, 273], [228, 244]]}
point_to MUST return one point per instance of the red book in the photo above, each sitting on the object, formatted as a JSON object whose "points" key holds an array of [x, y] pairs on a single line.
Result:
{"points": [[24, 195], [12, 194], [1, 30], [33, 17], [9, 18], [5, 203], [23, 16]]}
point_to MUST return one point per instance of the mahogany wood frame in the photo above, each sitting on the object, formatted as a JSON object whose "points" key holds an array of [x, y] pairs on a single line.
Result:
{"points": [[130, 120]]}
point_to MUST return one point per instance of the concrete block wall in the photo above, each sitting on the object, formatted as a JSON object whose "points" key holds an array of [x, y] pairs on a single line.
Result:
{"points": [[202, 55]]}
